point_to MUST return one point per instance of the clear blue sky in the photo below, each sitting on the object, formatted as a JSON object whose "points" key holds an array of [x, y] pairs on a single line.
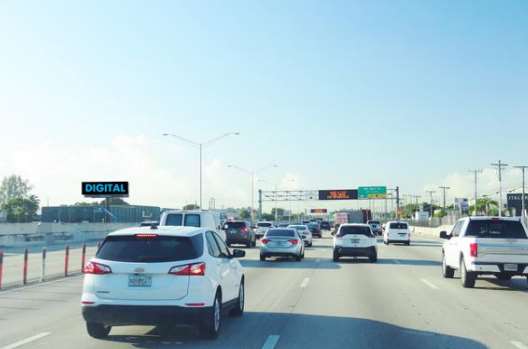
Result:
{"points": [[340, 93]]}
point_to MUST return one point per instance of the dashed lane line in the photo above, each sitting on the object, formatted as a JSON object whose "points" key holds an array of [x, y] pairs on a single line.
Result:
{"points": [[26, 341]]}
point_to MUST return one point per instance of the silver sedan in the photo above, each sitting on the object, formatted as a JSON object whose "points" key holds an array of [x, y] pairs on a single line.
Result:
{"points": [[283, 242]]}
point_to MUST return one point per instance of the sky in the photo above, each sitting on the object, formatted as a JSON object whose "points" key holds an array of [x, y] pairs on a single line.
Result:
{"points": [[337, 94]]}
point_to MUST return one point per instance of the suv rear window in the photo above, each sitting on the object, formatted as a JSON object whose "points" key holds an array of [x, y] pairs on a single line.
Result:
{"points": [[398, 226], [151, 250], [174, 219], [236, 225], [496, 229], [354, 230], [373, 222], [281, 232], [264, 225]]}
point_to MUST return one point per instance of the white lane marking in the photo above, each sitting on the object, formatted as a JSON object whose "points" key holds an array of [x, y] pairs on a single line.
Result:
{"points": [[271, 341], [26, 341], [430, 284], [305, 282], [518, 345], [20, 288]]}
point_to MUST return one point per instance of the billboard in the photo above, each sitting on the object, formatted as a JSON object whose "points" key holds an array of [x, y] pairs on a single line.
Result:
{"points": [[318, 210], [338, 194], [462, 204], [105, 189], [515, 201]]}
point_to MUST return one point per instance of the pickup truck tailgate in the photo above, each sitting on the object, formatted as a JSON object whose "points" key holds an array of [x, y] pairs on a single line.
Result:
{"points": [[503, 250]]}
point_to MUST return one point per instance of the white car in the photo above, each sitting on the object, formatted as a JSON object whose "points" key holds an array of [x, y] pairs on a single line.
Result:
{"points": [[396, 231], [262, 228], [176, 275], [193, 218], [355, 240], [304, 232], [485, 245]]}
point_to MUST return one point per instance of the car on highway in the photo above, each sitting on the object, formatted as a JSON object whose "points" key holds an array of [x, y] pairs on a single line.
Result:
{"points": [[262, 228], [193, 218], [397, 231], [240, 232], [376, 227], [325, 225], [485, 246], [282, 242], [162, 275], [355, 240], [304, 232], [315, 229]]}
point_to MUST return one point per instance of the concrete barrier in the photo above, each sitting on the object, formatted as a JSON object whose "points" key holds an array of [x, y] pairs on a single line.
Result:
{"points": [[428, 232], [28, 234]]}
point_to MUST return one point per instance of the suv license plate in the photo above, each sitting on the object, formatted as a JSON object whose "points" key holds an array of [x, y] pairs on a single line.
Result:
{"points": [[139, 281], [510, 267]]}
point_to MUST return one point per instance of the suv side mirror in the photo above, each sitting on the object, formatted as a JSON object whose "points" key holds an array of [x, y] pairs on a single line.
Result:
{"points": [[238, 253], [444, 235]]}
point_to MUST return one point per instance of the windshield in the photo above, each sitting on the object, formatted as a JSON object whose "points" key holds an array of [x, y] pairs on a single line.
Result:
{"points": [[150, 250], [496, 229], [398, 226], [264, 225], [174, 219], [280, 232]]}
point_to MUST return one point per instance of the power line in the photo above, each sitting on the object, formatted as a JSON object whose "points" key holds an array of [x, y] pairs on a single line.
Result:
{"points": [[500, 165]]}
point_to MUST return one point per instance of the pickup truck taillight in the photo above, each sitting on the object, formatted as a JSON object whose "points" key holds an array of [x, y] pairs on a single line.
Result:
{"points": [[473, 249]]}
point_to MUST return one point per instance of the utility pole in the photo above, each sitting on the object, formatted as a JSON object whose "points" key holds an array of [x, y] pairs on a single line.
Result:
{"points": [[523, 208], [431, 192], [500, 165], [476, 173], [444, 188], [397, 203]]}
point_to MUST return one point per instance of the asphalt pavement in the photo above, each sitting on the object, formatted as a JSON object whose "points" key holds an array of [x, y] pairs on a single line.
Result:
{"points": [[400, 302]]}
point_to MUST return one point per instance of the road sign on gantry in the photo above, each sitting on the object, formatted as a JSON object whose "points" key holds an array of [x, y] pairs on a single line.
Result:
{"points": [[338, 194], [379, 192]]}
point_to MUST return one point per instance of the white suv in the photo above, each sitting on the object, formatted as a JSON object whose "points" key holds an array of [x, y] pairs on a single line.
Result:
{"points": [[397, 232], [354, 240], [160, 275]]}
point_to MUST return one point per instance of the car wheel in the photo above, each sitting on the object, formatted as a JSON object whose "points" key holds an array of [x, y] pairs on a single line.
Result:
{"points": [[373, 257], [408, 243], [336, 256], [298, 258], [213, 319], [248, 244], [98, 331], [262, 258], [238, 310], [504, 277], [447, 271], [468, 278]]}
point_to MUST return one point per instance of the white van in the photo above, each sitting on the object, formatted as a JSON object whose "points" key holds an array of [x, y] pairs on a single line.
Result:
{"points": [[193, 218]]}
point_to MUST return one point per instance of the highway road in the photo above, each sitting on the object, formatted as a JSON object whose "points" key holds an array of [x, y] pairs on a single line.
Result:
{"points": [[400, 302]]}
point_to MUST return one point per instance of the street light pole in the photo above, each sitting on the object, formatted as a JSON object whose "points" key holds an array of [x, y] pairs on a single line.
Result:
{"points": [[523, 208], [444, 188], [200, 146], [475, 173], [500, 165]]}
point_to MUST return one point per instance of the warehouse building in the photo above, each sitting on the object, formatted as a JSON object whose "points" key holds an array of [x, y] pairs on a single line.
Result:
{"points": [[100, 214]]}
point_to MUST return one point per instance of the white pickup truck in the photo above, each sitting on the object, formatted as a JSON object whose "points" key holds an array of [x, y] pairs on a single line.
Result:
{"points": [[485, 245]]}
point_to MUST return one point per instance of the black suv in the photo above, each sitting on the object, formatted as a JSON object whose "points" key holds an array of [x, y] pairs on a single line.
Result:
{"points": [[239, 232]]}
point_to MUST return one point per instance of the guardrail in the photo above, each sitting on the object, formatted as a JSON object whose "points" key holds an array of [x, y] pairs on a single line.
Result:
{"points": [[24, 268]]}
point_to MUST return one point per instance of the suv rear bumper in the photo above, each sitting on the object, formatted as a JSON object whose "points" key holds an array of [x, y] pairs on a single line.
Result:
{"points": [[238, 240], [122, 315], [355, 251]]}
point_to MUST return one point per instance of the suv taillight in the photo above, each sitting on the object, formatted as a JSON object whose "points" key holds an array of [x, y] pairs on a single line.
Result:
{"points": [[264, 241], [294, 241], [196, 269], [245, 230], [96, 269], [473, 249]]}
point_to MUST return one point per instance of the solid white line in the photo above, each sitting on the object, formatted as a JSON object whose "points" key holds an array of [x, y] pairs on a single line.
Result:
{"points": [[271, 341], [518, 345], [26, 341], [305, 282], [20, 288], [428, 283]]}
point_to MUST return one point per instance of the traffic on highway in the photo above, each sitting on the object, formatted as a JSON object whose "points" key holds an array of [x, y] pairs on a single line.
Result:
{"points": [[263, 174]]}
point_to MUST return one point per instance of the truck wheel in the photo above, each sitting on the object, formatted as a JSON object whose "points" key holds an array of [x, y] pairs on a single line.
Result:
{"points": [[447, 271], [468, 278], [336, 256], [373, 257], [98, 331]]}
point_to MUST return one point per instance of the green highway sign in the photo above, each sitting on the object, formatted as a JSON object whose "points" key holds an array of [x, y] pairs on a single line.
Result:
{"points": [[372, 192]]}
